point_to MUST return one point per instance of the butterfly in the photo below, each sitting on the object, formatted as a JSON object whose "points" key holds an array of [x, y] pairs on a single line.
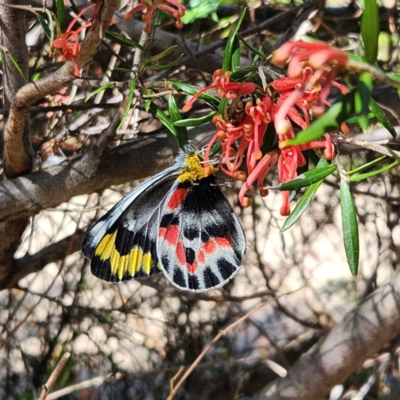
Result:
{"points": [[178, 222]]}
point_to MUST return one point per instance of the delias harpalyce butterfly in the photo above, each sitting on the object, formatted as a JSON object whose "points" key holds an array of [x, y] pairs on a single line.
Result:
{"points": [[177, 222]]}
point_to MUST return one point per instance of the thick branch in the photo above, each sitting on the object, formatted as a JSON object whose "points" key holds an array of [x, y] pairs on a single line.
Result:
{"points": [[50, 187], [18, 152], [36, 262], [16, 163], [362, 333]]}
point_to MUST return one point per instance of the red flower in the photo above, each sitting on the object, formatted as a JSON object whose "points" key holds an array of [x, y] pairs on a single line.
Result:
{"points": [[287, 104], [165, 5], [68, 43]]}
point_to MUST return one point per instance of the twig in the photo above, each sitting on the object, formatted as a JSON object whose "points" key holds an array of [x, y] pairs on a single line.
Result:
{"points": [[175, 378], [364, 144], [208, 347], [53, 377], [79, 386]]}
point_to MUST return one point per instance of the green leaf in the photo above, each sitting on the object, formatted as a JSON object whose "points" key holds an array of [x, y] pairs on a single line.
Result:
{"points": [[192, 90], [44, 26], [161, 55], [370, 30], [350, 227], [175, 115], [147, 102], [232, 46], [61, 17], [381, 117], [98, 90], [17, 67], [361, 99], [235, 54], [366, 166], [125, 40], [332, 119], [305, 200], [161, 67], [308, 178], [394, 154], [251, 48], [195, 121], [162, 117], [129, 102], [367, 175], [119, 69], [222, 106]]}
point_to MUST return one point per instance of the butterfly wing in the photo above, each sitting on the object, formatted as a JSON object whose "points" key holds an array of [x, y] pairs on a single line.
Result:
{"points": [[200, 241], [122, 244]]}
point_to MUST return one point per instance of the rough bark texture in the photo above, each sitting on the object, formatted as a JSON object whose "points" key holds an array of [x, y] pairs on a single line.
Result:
{"points": [[361, 334], [18, 153], [18, 158]]}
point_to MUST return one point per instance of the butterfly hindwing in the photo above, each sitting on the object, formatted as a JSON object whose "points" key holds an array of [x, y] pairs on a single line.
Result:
{"points": [[200, 241], [122, 244], [177, 222]]}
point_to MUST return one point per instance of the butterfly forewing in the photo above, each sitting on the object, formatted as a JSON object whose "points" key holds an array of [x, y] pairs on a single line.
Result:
{"points": [[122, 244], [200, 241], [177, 222]]}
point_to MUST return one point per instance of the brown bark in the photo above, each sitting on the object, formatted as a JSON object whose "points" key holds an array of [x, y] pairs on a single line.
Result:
{"points": [[18, 157], [362, 333], [18, 153]]}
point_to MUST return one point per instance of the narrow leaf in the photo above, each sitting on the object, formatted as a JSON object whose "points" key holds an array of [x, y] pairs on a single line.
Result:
{"points": [[231, 45], [147, 102], [305, 200], [251, 48], [98, 90], [160, 114], [162, 67], [366, 166], [362, 97], [350, 227], [61, 17], [370, 30], [381, 117], [308, 178], [161, 55], [44, 26], [235, 55], [17, 67], [125, 40], [332, 119], [192, 90], [175, 115], [195, 121], [367, 175], [129, 102]]}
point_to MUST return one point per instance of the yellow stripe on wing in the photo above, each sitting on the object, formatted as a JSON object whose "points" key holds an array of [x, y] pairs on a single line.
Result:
{"points": [[132, 262]]}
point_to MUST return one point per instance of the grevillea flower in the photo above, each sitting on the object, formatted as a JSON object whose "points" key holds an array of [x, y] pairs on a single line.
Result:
{"points": [[149, 6], [68, 43], [286, 104]]}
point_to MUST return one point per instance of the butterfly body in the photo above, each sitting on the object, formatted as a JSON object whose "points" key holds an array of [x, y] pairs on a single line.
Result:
{"points": [[177, 222]]}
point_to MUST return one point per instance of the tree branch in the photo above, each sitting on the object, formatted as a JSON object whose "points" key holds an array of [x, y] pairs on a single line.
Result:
{"points": [[36, 262], [362, 333], [18, 152]]}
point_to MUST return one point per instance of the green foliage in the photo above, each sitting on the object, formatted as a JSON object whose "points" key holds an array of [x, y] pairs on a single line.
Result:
{"points": [[349, 227]]}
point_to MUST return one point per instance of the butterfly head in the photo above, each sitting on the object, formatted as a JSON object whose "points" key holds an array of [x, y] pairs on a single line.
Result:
{"points": [[192, 168]]}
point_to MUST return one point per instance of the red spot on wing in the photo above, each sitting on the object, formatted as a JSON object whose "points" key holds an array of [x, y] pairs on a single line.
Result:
{"points": [[162, 232], [223, 242], [201, 257], [180, 253], [171, 234], [192, 267], [209, 247], [177, 198]]}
